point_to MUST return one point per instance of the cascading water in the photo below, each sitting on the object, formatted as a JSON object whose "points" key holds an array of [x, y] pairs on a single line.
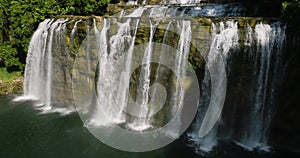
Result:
{"points": [[103, 55], [40, 70], [40, 55], [206, 135], [144, 86], [33, 81], [117, 40], [181, 62], [110, 111], [268, 40], [74, 30]]}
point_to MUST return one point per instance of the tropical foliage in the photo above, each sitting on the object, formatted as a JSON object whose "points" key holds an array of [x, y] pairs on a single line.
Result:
{"points": [[19, 19]]}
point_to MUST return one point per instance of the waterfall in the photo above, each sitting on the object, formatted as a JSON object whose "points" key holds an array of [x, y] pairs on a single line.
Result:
{"points": [[137, 12], [33, 73], [107, 58], [109, 76], [113, 100], [206, 135], [269, 40], [38, 80], [221, 45], [181, 62], [143, 122], [98, 116], [74, 30], [48, 70]]}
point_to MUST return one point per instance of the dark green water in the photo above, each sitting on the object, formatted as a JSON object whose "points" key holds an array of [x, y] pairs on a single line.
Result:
{"points": [[24, 133]]}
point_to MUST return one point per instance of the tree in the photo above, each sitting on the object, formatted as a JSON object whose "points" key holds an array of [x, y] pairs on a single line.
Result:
{"points": [[19, 19]]}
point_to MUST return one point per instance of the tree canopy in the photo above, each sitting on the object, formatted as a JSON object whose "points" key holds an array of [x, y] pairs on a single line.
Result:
{"points": [[19, 19]]}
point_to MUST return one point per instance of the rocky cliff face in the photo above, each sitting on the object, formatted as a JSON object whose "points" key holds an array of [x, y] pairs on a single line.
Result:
{"points": [[71, 37]]}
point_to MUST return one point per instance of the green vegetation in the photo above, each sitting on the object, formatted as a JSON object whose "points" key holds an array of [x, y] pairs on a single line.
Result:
{"points": [[19, 19], [8, 77]]}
